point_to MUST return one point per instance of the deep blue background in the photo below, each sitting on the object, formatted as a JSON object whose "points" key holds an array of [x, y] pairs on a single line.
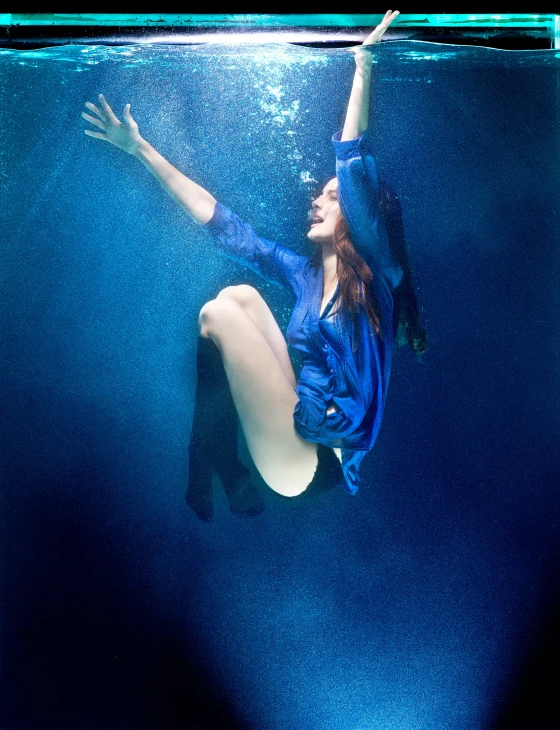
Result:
{"points": [[427, 601]]}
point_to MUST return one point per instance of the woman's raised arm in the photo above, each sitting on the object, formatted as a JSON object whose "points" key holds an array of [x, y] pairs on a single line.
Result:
{"points": [[357, 114], [197, 201]]}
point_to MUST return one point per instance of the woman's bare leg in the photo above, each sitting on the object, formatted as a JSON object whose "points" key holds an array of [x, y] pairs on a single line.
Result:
{"points": [[255, 306], [263, 395], [259, 311]]}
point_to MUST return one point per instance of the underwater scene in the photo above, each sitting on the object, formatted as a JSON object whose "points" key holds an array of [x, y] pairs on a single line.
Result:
{"points": [[429, 599]]}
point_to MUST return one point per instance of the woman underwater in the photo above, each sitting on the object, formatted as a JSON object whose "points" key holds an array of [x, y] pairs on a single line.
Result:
{"points": [[348, 300]]}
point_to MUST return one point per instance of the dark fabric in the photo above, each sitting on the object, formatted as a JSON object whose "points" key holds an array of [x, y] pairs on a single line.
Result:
{"points": [[213, 445], [329, 473]]}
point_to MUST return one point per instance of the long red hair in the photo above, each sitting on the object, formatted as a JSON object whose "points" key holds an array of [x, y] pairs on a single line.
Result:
{"points": [[354, 279]]}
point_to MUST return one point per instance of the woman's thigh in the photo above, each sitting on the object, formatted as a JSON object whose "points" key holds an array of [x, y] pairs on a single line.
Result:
{"points": [[263, 396], [259, 311]]}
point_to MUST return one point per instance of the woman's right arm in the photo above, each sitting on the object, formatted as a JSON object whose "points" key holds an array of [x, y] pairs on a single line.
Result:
{"points": [[236, 239], [197, 201]]}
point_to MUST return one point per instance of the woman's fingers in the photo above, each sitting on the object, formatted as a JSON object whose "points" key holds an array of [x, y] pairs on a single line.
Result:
{"points": [[93, 120], [97, 135], [107, 109], [128, 117], [96, 110], [390, 16], [377, 33]]}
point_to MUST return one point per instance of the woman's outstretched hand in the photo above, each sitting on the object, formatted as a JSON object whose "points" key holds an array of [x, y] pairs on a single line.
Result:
{"points": [[363, 59], [123, 135], [377, 33]]}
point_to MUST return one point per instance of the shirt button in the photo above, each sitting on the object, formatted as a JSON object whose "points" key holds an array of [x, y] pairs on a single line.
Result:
{"points": [[331, 370], [325, 347]]}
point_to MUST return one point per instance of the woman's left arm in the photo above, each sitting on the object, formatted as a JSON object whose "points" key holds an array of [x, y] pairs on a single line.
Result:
{"points": [[358, 185], [357, 114]]}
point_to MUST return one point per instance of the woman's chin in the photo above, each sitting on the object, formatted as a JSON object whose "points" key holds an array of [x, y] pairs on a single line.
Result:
{"points": [[318, 239]]}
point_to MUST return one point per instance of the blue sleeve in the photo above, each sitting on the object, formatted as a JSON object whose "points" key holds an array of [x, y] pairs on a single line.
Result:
{"points": [[358, 194], [238, 241]]}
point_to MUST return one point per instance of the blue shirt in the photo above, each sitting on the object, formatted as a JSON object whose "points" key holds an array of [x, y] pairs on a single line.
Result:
{"points": [[333, 373]]}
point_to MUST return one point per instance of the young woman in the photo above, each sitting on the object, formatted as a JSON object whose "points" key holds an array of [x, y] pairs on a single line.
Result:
{"points": [[343, 321]]}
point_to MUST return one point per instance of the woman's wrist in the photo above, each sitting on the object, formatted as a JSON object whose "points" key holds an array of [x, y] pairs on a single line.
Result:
{"points": [[143, 149]]}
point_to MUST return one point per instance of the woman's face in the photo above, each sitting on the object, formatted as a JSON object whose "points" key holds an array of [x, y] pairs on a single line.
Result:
{"points": [[325, 212]]}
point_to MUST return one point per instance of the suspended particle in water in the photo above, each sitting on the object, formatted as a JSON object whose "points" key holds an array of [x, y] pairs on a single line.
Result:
{"points": [[305, 177], [275, 91]]}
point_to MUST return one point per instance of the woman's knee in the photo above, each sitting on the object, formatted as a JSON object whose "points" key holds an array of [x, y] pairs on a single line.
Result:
{"points": [[215, 313], [243, 294]]}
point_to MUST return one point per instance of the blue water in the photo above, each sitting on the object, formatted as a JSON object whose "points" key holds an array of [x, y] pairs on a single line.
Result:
{"points": [[427, 601]]}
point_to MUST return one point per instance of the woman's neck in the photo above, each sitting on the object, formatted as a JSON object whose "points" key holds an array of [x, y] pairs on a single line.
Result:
{"points": [[329, 261]]}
